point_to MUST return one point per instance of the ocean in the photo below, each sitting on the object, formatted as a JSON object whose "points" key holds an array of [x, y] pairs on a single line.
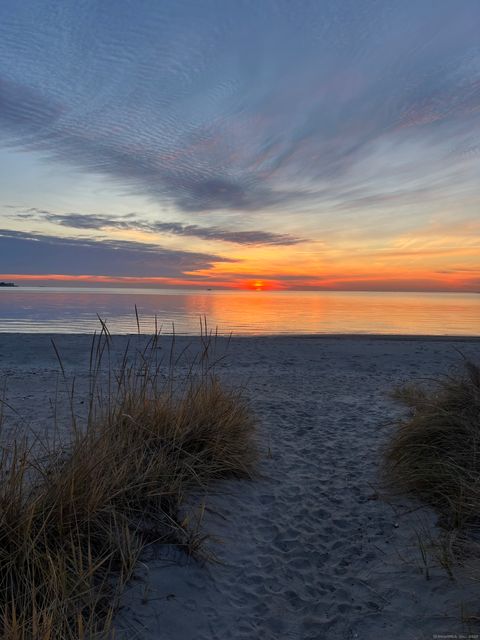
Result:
{"points": [[76, 310]]}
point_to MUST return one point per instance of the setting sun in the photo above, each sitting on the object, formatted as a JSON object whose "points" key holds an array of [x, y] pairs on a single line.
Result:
{"points": [[258, 285], [261, 285]]}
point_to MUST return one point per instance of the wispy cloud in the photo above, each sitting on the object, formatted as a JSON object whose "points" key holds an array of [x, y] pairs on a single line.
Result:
{"points": [[209, 109], [87, 221]]}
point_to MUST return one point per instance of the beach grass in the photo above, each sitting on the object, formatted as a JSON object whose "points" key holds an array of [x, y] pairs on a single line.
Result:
{"points": [[434, 453], [75, 516]]}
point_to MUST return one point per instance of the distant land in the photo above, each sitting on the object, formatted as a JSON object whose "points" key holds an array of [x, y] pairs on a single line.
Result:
{"points": [[7, 284]]}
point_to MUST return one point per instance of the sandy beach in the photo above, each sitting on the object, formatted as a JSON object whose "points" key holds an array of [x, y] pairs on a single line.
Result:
{"points": [[309, 550]]}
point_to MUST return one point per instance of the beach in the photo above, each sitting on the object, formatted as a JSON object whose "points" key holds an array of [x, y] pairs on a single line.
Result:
{"points": [[310, 548]]}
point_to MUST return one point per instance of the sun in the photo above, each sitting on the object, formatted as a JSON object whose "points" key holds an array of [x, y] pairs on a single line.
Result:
{"points": [[258, 285]]}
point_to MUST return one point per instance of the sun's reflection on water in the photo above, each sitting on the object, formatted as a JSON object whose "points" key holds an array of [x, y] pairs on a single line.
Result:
{"points": [[255, 312]]}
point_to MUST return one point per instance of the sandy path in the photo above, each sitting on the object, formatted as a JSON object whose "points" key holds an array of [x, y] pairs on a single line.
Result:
{"points": [[308, 552]]}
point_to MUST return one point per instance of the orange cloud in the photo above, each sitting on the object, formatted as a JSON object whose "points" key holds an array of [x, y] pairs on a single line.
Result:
{"points": [[131, 281], [435, 258]]}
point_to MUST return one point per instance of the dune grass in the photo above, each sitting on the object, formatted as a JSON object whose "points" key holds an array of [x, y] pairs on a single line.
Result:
{"points": [[75, 517], [434, 454]]}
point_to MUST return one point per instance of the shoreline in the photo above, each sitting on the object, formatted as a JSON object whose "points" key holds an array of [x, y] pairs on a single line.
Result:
{"points": [[270, 336]]}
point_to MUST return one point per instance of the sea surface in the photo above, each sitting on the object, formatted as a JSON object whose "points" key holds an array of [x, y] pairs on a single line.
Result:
{"points": [[77, 310]]}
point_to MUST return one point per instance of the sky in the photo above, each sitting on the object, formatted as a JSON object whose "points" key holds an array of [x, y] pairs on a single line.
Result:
{"points": [[245, 144]]}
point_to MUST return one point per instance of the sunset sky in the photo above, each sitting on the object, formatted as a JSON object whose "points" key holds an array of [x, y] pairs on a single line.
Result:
{"points": [[259, 144]]}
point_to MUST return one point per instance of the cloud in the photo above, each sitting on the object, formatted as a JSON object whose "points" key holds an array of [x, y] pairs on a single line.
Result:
{"points": [[206, 108], [237, 237], [84, 221], [26, 253]]}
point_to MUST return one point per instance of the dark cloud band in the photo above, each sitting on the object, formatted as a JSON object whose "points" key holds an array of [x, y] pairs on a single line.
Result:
{"points": [[25, 253]]}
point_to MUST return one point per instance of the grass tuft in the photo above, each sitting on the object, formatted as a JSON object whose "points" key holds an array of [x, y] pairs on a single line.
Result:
{"points": [[74, 520], [434, 454]]}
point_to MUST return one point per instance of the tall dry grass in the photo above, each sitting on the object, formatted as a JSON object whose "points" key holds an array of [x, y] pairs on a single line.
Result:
{"points": [[434, 453], [75, 517]]}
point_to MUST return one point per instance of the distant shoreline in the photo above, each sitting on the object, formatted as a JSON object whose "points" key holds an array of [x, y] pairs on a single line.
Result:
{"points": [[118, 287]]}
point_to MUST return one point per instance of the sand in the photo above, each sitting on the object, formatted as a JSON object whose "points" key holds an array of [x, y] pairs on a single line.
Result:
{"points": [[309, 550]]}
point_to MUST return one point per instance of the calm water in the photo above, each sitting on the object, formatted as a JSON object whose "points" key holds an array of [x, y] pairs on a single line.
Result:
{"points": [[74, 310]]}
